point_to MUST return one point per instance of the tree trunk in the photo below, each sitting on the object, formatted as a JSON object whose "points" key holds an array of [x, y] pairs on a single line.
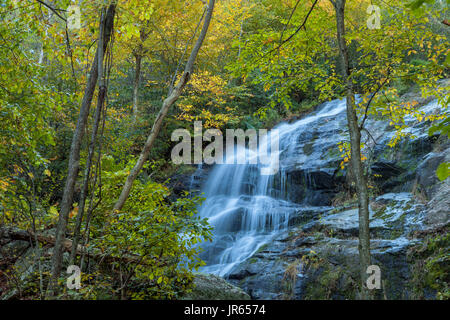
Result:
{"points": [[168, 102], [100, 102], [87, 171], [137, 80], [355, 144], [106, 24]]}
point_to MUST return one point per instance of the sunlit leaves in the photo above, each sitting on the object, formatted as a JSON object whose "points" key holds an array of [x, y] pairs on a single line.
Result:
{"points": [[443, 171], [161, 233]]}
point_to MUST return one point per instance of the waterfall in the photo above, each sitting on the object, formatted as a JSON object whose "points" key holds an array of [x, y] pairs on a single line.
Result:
{"points": [[248, 208]]}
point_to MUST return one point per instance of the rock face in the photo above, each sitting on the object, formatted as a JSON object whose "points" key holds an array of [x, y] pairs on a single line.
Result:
{"points": [[426, 172], [319, 259], [324, 254], [211, 287], [316, 256], [437, 213], [190, 181]]}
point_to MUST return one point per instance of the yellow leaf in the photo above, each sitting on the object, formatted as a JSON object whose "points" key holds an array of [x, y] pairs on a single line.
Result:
{"points": [[53, 210], [47, 172], [74, 212]]}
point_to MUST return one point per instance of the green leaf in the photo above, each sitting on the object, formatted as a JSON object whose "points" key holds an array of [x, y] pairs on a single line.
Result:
{"points": [[53, 211], [443, 171]]}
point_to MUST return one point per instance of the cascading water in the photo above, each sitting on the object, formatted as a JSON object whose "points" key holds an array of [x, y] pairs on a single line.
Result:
{"points": [[248, 208]]}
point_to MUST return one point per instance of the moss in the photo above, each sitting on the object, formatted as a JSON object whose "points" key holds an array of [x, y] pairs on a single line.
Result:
{"points": [[333, 153], [330, 282], [318, 236], [394, 234], [379, 213], [262, 248], [308, 148], [186, 169], [431, 267], [290, 278], [407, 206]]}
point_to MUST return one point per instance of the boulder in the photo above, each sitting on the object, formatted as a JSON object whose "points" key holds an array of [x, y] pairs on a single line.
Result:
{"points": [[438, 211], [14, 249], [212, 287], [426, 173]]}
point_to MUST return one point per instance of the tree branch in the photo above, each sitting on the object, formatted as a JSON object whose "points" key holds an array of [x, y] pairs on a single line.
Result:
{"points": [[295, 32], [55, 10], [370, 101]]}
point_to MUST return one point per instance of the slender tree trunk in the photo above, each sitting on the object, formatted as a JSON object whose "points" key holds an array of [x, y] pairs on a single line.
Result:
{"points": [[138, 55], [168, 102], [107, 23], [137, 80], [84, 191], [87, 171], [355, 143]]}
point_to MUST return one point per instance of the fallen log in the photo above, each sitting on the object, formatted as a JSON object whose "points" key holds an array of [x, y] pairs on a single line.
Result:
{"points": [[19, 234]]}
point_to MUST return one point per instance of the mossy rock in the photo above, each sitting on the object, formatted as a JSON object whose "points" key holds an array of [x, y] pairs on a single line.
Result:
{"points": [[212, 287]]}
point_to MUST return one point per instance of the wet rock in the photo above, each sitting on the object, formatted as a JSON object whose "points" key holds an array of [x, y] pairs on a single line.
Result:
{"points": [[265, 280], [385, 170], [312, 187], [330, 238], [241, 274], [319, 197], [438, 208], [179, 184], [422, 145], [347, 222], [306, 241], [212, 287], [305, 214], [337, 275], [190, 180], [319, 180], [426, 173]]}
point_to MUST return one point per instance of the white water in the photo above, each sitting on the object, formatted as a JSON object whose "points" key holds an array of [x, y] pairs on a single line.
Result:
{"points": [[248, 208]]}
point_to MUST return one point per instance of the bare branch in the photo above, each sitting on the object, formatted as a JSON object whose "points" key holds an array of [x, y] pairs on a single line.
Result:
{"points": [[295, 32], [55, 10]]}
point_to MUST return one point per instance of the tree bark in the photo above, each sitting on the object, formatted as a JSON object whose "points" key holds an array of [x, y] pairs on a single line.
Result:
{"points": [[87, 171], [167, 104], [100, 102], [107, 23], [355, 144], [137, 80]]}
